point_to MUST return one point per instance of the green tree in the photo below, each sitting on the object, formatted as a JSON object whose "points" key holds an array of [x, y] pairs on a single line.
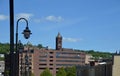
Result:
{"points": [[71, 71], [2, 58], [98, 54], [39, 46], [4, 48], [46, 72], [61, 72]]}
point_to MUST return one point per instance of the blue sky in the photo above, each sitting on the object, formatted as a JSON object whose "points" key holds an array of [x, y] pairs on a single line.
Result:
{"points": [[84, 24]]}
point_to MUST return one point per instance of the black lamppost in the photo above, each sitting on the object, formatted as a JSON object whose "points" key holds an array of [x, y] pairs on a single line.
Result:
{"points": [[11, 8], [26, 34]]}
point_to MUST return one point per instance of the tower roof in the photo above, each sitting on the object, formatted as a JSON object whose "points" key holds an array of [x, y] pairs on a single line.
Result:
{"points": [[59, 35]]}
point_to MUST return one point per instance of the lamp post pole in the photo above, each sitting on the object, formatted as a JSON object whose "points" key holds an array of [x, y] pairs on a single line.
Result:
{"points": [[11, 8], [26, 33]]}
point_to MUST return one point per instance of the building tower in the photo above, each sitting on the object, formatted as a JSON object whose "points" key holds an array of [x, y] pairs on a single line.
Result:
{"points": [[59, 42]]}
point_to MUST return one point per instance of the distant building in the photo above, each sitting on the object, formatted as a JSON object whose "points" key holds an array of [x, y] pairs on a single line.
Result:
{"points": [[116, 65], [56, 58], [88, 58]]}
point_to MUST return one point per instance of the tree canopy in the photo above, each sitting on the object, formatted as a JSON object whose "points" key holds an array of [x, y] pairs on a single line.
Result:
{"points": [[98, 54], [4, 48], [61, 72], [71, 71], [46, 72], [39, 46]]}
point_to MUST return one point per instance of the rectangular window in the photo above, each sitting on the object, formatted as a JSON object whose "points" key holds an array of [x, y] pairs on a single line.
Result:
{"points": [[51, 64], [51, 56], [51, 60], [42, 64], [42, 68], [51, 52], [51, 68]]}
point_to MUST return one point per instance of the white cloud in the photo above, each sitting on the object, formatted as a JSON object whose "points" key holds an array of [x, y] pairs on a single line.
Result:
{"points": [[50, 18], [54, 18], [24, 15], [3, 17], [71, 39]]}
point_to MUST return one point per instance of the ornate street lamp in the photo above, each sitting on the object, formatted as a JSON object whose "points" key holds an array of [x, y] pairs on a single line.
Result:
{"points": [[26, 34]]}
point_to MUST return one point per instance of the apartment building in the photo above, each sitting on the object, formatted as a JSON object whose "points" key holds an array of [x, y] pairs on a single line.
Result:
{"points": [[55, 58]]}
